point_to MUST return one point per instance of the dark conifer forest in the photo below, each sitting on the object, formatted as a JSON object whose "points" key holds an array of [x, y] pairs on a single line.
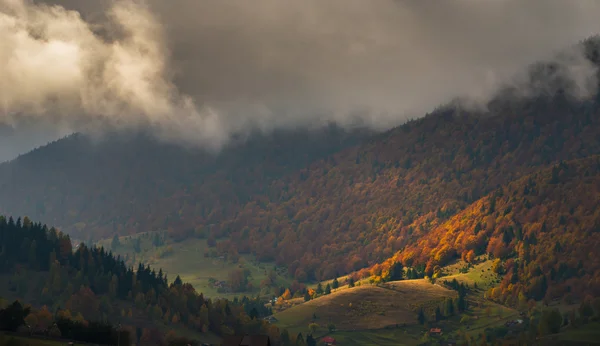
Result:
{"points": [[83, 286]]}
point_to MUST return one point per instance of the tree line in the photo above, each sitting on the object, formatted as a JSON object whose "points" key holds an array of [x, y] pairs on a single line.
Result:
{"points": [[89, 282]]}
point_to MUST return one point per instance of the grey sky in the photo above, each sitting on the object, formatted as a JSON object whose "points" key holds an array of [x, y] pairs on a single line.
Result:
{"points": [[198, 70]]}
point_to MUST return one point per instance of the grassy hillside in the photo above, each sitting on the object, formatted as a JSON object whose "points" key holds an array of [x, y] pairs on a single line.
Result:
{"points": [[386, 314], [198, 264], [586, 334], [480, 274], [365, 306]]}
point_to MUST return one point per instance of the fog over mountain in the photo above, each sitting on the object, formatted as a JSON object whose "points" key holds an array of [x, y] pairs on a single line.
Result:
{"points": [[200, 71]]}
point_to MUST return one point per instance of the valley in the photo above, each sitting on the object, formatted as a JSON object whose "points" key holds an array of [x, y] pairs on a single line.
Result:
{"points": [[200, 265], [471, 226], [368, 313]]}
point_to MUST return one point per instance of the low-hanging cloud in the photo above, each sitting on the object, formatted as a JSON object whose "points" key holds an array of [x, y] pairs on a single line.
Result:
{"points": [[201, 70], [54, 66]]}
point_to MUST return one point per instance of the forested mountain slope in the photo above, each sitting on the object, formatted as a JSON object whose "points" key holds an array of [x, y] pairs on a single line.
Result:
{"points": [[128, 183], [330, 207], [363, 204], [543, 230]]}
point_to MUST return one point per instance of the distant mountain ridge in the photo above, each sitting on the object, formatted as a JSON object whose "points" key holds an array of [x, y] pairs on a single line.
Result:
{"points": [[105, 186]]}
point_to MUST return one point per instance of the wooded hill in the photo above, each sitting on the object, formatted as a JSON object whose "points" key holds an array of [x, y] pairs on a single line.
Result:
{"points": [[126, 183], [91, 285], [352, 206], [542, 230]]}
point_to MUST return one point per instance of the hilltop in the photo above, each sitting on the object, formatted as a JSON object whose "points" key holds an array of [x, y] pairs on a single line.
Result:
{"points": [[366, 306]]}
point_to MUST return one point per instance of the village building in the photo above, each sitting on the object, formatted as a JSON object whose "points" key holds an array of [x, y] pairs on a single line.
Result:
{"points": [[270, 319], [328, 341], [435, 331]]}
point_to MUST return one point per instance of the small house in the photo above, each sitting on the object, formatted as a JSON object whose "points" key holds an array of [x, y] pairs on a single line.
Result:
{"points": [[435, 331], [270, 319], [328, 341], [513, 323]]}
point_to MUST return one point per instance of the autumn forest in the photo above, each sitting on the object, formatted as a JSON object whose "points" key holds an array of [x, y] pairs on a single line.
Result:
{"points": [[516, 185]]}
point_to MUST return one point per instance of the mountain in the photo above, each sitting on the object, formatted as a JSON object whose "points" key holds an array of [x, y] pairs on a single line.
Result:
{"points": [[23, 137], [363, 204], [542, 230], [128, 183], [322, 205]]}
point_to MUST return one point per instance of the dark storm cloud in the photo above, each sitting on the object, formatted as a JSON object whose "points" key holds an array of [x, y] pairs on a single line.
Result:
{"points": [[199, 70]]}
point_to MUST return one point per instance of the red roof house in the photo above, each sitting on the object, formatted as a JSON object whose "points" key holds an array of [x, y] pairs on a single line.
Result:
{"points": [[328, 340], [435, 331]]}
